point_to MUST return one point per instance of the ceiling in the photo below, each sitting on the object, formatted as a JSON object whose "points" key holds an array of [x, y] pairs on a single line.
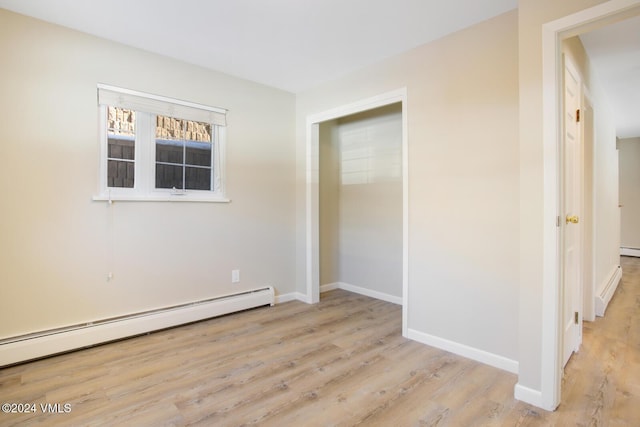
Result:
{"points": [[297, 44], [614, 52], [288, 44]]}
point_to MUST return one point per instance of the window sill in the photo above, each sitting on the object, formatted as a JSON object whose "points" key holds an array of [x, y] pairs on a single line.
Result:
{"points": [[161, 197]]}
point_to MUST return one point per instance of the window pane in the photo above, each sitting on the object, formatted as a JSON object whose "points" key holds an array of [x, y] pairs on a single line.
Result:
{"points": [[121, 144], [198, 178], [121, 148], [120, 174], [198, 153], [168, 176], [168, 151]]}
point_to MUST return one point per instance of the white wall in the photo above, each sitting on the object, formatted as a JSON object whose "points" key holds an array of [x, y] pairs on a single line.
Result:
{"points": [[56, 244], [329, 202], [630, 192], [361, 191], [462, 114], [606, 175]]}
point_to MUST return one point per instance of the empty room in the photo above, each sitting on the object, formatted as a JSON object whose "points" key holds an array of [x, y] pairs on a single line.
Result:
{"points": [[319, 212]]}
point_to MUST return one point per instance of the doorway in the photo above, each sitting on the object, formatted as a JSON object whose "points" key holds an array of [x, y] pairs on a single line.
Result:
{"points": [[630, 196], [553, 259], [312, 189], [360, 202]]}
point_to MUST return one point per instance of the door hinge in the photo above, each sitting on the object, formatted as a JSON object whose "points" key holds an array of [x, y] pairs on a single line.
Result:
{"points": [[558, 221], [575, 317], [578, 115]]}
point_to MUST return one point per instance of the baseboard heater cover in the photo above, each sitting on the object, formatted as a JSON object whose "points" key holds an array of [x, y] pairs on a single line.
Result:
{"points": [[635, 252], [45, 343]]}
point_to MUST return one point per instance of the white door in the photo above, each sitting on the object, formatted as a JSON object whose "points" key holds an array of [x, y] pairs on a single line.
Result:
{"points": [[570, 220]]}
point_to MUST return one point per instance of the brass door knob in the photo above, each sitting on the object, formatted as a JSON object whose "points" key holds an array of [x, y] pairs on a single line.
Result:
{"points": [[573, 219]]}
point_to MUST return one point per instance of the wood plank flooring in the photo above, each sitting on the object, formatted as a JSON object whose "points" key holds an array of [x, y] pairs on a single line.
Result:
{"points": [[342, 362]]}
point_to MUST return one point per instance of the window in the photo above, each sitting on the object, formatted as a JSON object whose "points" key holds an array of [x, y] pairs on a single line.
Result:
{"points": [[183, 154], [121, 146], [156, 148]]}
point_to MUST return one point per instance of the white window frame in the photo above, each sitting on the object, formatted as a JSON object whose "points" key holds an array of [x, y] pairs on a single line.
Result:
{"points": [[145, 165]]}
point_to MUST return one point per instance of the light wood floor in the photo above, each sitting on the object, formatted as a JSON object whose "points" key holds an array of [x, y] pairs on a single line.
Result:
{"points": [[341, 362]]}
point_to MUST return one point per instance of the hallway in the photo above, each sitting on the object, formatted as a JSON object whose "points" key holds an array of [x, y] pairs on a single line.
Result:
{"points": [[601, 385]]}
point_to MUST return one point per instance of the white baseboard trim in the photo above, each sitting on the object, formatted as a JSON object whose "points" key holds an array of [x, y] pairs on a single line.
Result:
{"points": [[472, 353], [291, 296], [630, 252], [607, 289], [329, 287], [362, 291], [530, 396]]}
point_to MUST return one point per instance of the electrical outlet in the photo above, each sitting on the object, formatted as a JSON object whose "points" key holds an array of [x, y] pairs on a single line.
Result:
{"points": [[235, 276]]}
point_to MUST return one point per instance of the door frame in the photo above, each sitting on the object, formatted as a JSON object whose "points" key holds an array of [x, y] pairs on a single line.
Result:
{"points": [[312, 251], [552, 35]]}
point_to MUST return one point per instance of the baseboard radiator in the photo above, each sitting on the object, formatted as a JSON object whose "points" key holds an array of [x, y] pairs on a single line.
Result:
{"points": [[45, 343], [607, 290], [635, 252]]}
